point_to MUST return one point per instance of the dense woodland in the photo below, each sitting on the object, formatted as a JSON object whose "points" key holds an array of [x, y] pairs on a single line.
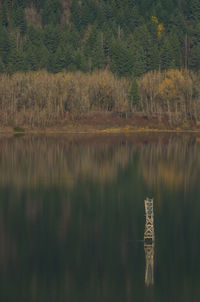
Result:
{"points": [[150, 47], [130, 37]]}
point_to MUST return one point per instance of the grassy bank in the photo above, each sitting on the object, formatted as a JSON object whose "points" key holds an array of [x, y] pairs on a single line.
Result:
{"points": [[75, 102]]}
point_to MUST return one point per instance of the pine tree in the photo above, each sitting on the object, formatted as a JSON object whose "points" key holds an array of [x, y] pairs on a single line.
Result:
{"points": [[170, 53], [149, 43], [97, 54], [2, 66], [31, 57], [76, 14], [194, 58], [51, 12], [139, 61], [52, 38], [17, 61], [5, 46], [134, 96], [69, 57], [88, 12], [18, 18], [4, 17], [80, 60], [166, 55], [60, 60], [121, 61], [74, 37], [194, 10]]}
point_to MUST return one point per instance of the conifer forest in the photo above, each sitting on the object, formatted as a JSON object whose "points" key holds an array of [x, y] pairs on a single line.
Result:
{"points": [[111, 55]]}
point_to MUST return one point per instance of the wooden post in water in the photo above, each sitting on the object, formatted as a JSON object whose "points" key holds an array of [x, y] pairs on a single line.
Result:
{"points": [[149, 235], [149, 241]]}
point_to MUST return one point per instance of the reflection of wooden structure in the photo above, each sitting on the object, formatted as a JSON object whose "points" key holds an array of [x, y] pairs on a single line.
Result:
{"points": [[149, 241]]}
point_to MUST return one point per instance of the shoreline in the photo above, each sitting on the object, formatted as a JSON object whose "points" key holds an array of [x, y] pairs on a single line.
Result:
{"points": [[77, 130]]}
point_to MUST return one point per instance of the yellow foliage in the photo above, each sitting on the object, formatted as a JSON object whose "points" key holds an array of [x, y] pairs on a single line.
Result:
{"points": [[127, 128], [174, 92], [160, 29], [160, 26], [154, 19], [173, 84], [87, 33]]}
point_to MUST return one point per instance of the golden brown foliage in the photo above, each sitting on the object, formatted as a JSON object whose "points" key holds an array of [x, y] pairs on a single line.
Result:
{"points": [[43, 99], [173, 92]]}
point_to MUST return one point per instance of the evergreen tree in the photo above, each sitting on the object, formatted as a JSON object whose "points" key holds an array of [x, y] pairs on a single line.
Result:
{"points": [[2, 66], [81, 61], [149, 44], [88, 12], [39, 4], [69, 58], [167, 55], [139, 61], [17, 61], [76, 14], [194, 6], [97, 54], [18, 18], [51, 12], [60, 60], [5, 46], [194, 58], [52, 38], [74, 37], [121, 60], [134, 96], [4, 17]]}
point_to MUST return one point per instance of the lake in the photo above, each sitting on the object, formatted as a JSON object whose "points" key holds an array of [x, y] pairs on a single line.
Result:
{"points": [[72, 218]]}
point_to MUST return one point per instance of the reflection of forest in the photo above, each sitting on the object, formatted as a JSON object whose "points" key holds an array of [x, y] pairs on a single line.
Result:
{"points": [[58, 244], [32, 161], [173, 164], [53, 237]]}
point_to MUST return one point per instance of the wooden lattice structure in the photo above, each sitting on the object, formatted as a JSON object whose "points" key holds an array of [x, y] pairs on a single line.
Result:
{"points": [[149, 235], [149, 242]]}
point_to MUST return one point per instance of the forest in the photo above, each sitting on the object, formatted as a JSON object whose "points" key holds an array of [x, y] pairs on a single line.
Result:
{"points": [[134, 42]]}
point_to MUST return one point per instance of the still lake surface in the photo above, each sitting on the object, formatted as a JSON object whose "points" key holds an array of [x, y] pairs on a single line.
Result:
{"points": [[72, 218]]}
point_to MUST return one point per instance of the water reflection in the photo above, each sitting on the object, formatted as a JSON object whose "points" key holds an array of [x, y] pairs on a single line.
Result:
{"points": [[171, 162], [72, 212], [34, 161], [149, 242]]}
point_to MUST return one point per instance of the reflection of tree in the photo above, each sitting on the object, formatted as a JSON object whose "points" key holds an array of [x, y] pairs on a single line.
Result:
{"points": [[39, 172], [40, 160], [76, 241], [170, 164]]}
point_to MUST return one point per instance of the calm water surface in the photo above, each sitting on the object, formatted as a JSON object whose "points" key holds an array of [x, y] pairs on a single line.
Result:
{"points": [[72, 218]]}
